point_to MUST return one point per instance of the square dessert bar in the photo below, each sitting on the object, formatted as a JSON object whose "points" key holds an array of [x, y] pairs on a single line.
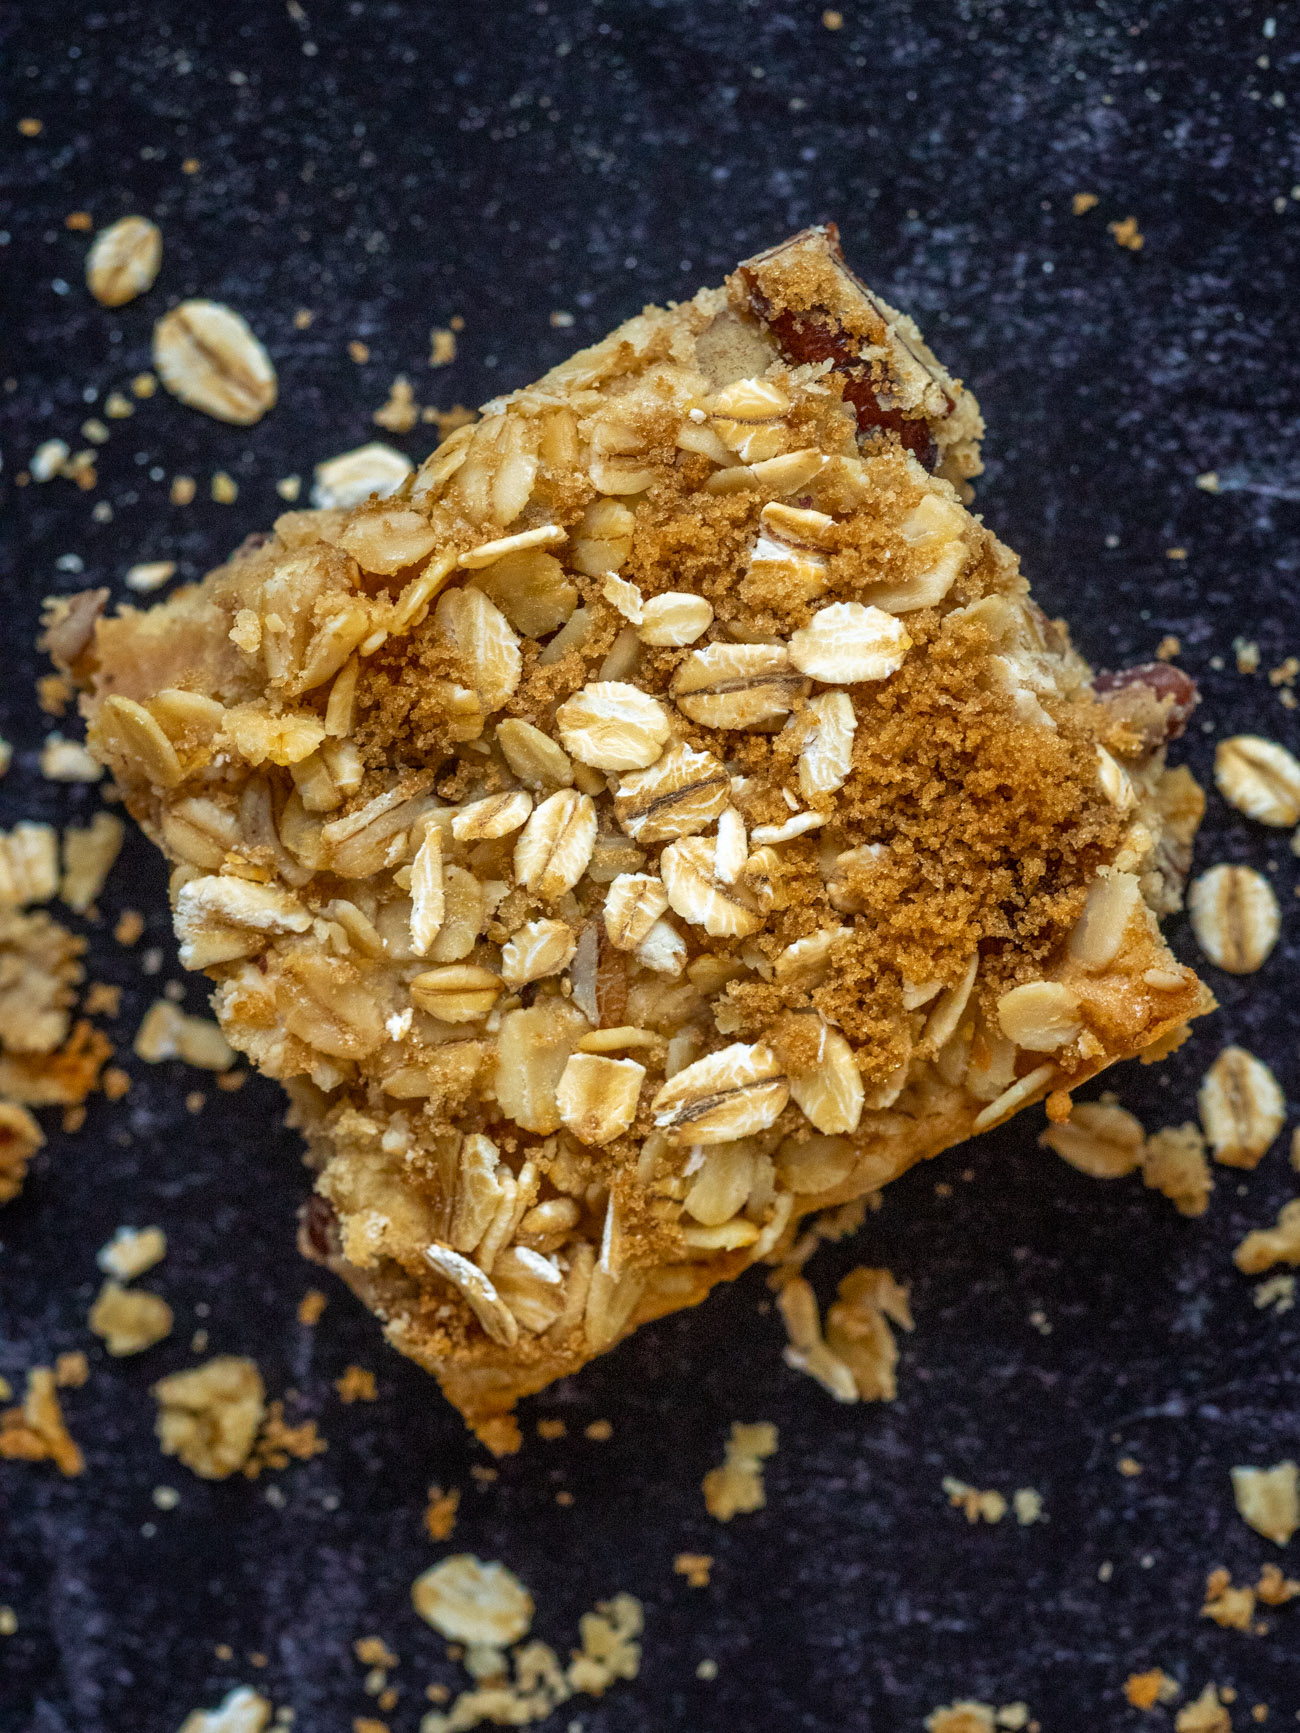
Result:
{"points": [[666, 816]]}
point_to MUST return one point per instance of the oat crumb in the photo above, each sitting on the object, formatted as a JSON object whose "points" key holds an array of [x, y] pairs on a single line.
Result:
{"points": [[440, 1513], [1128, 234], [1145, 1690], [1081, 203], [1168, 647], [225, 489], [37, 1432], [599, 1431], [71, 1370], [975, 1505], [130, 925], [241, 1711], [551, 1429], [695, 1567], [1268, 1499], [356, 1385], [311, 1306], [832, 20], [278, 1442], [442, 347], [374, 1652], [1207, 1714], [736, 1486], [358, 351]]}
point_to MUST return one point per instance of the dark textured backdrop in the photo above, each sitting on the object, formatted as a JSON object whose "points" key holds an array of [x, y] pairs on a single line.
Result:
{"points": [[388, 166]]}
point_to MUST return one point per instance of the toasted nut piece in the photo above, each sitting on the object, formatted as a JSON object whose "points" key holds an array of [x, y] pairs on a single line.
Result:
{"points": [[695, 893], [633, 903], [830, 1094], [206, 355], [353, 477], [1113, 899], [827, 754], [1242, 1107], [1100, 1138], [495, 816], [457, 993], [556, 844], [597, 1096], [1040, 1016], [428, 899], [613, 726], [1259, 778], [533, 756], [538, 949], [1269, 1499], [674, 618], [737, 685], [488, 1307], [847, 642], [485, 642], [387, 539], [684, 791], [733, 1093], [469, 1602], [1235, 917], [123, 261]]}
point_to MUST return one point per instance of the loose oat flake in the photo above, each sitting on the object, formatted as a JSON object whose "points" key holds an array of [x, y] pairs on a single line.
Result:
{"points": [[124, 260], [207, 356], [242, 1710], [468, 1601], [1269, 1500]]}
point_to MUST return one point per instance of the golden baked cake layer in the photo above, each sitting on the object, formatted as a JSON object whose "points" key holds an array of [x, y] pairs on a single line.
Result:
{"points": [[666, 816]]}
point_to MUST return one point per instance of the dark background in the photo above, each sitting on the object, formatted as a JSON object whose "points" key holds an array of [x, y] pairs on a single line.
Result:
{"points": [[388, 166]]}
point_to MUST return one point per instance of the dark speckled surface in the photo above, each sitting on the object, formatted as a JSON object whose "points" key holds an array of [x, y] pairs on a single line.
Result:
{"points": [[389, 166]]}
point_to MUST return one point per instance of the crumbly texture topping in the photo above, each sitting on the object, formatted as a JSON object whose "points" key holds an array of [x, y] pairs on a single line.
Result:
{"points": [[665, 815]]}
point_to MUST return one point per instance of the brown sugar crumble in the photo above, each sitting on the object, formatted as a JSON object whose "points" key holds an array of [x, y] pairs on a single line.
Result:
{"points": [[664, 817]]}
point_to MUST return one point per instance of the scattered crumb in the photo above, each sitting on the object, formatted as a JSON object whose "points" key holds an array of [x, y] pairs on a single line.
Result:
{"points": [[71, 1370], [144, 385], [374, 1652], [31, 128], [115, 1082], [1208, 481], [977, 1506], [20, 1138], [225, 489], [707, 1669], [277, 1442], [1206, 1715], [599, 1431], [401, 412], [358, 351], [442, 347], [117, 407], [440, 1514], [564, 1498], [289, 487], [36, 1432], [1273, 1589], [1232, 1608], [356, 1385], [102, 1000], [1082, 202], [311, 1306], [857, 1357], [241, 1711], [1129, 1466], [149, 575], [1145, 1690], [129, 1320], [1285, 673], [964, 1717], [1027, 1505], [1169, 646], [695, 1567], [167, 1033], [130, 925], [551, 1429], [1175, 554], [1279, 1244], [8, 1621], [1277, 1292], [1246, 652], [833, 20], [1128, 234], [68, 761], [209, 1416], [165, 1497], [195, 1101], [1174, 1164], [736, 1486], [560, 319], [1268, 1499], [131, 1252], [183, 489], [54, 694]]}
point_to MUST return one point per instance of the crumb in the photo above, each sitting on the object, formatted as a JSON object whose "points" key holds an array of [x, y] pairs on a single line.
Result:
{"points": [[695, 1567], [1273, 1589], [356, 1385], [1175, 554], [1285, 673], [144, 385], [374, 1652], [1128, 234], [440, 1513], [1268, 1499], [37, 1432], [130, 925], [117, 407], [737, 1486], [1129, 1466], [1081, 203], [195, 1101], [359, 352], [1145, 1690], [564, 1498], [1233, 1609], [707, 1669], [31, 128], [550, 1429], [1207, 1714], [225, 489], [311, 1306], [71, 1370], [102, 1000], [442, 347], [599, 1431], [560, 320], [1027, 1505], [8, 1621], [832, 20], [54, 693], [401, 412], [302, 319], [289, 487], [190, 165], [183, 489], [131, 1252], [209, 1416], [229, 1081], [483, 1474], [1168, 647], [1277, 1292], [129, 1320], [277, 1442], [975, 1505]]}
